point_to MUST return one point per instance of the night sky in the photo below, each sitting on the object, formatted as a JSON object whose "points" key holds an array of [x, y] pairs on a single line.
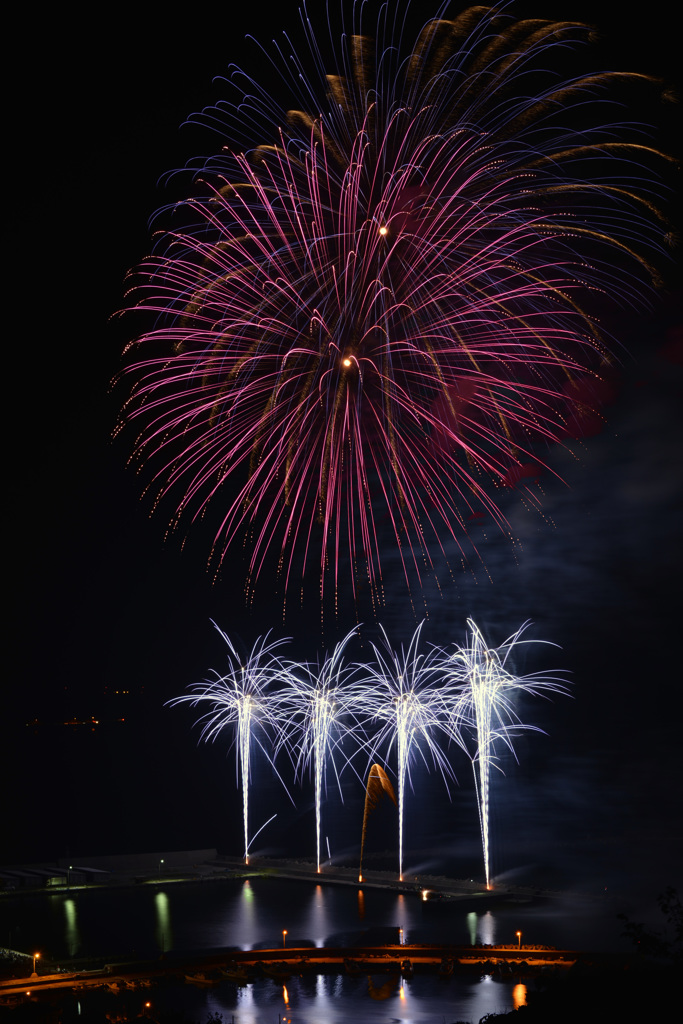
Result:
{"points": [[100, 602]]}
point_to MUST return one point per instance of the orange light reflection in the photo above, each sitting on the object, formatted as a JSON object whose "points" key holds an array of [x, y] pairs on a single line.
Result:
{"points": [[518, 996]]}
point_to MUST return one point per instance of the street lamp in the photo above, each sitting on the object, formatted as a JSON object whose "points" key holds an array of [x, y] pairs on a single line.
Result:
{"points": [[519, 939], [284, 937], [160, 863], [400, 936], [36, 956]]}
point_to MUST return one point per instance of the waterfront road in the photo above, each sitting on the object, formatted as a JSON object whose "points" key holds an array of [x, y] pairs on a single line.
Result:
{"points": [[365, 960]]}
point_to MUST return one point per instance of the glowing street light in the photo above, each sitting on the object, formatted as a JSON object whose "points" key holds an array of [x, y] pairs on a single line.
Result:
{"points": [[519, 939], [36, 956], [284, 937], [160, 864]]}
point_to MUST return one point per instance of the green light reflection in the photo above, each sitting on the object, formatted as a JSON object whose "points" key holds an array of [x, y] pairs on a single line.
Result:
{"points": [[71, 932], [472, 927], [247, 917], [163, 934]]}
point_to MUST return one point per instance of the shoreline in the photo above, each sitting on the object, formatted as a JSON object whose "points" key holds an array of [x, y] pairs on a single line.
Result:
{"points": [[366, 960], [181, 867]]}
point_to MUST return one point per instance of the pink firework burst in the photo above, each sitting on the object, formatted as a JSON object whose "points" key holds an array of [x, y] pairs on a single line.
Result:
{"points": [[365, 321]]}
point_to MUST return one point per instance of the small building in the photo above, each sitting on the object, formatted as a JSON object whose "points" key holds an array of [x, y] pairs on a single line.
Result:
{"points": [[49, 876]]}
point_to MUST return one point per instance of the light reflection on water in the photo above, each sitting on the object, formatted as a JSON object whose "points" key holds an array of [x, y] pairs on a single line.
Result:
{"points": [[472, 927], [486, 929], [318, 916], [248, 913], [481, 929], [376, 1000], [245, 913], [162, 931], [519, 996], [71, 933]]}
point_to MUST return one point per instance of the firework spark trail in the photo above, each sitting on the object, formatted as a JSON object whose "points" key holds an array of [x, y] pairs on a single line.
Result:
{"points": [[377, 312], [241, 697], [485, 692], [403, 694], [311, 720], [408, 700]]}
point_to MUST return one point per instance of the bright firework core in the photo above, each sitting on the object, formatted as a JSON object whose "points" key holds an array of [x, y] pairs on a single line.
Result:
{"points": [[448, 209], [404, 705]]}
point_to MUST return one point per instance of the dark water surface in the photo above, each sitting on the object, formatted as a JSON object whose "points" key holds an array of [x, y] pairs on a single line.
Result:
{"points": [[247, 913], [426, 999]]}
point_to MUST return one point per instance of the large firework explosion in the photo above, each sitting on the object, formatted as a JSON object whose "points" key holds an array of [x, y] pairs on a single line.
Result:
{"points": [[372, 308]]}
